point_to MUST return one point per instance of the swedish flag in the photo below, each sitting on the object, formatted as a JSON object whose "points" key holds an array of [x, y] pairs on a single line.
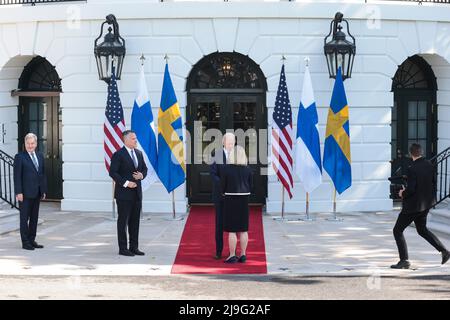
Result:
{"points": [[336, 158], [171, 164]]}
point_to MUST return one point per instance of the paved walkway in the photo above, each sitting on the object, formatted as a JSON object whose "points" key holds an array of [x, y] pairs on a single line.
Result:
{"points": [[85, 244]]}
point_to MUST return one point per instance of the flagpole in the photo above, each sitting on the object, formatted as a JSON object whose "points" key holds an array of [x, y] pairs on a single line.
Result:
{"points": [[307, 205], [308, 218], [173, 204], [335, 218], [334, 203], [281, 218], [174, 217]]}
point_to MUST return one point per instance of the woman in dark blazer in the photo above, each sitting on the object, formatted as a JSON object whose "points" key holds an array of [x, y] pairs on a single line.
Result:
{"points": [[236, 183]]}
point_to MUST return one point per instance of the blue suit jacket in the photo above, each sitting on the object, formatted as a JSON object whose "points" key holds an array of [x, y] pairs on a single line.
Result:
{"points": [[121, 170], [31, 183], [214, 171]]}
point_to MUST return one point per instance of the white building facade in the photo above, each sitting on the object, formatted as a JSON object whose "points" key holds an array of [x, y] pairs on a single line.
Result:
{"points": [[387, 35]]}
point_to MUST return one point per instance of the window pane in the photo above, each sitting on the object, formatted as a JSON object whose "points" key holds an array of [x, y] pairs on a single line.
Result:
{"points": [[33, 109], [34, 127], [422, 105], [412, 129], [412, 110], [422, 130]]}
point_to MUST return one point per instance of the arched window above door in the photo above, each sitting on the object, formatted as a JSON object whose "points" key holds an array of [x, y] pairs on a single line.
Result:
{"points": [[39, 75], [226, 70], [414, 73]]}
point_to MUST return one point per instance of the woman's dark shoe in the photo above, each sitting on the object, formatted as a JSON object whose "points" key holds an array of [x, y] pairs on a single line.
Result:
{"points": [[242, 258], [232, 259]]}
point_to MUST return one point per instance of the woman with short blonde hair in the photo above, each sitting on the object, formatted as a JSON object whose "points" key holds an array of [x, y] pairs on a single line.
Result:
{"points": [[236, 181]]}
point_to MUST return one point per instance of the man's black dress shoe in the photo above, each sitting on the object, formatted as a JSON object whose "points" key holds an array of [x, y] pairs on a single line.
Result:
{"points": [[445, 256], [402, 264], [126, 252], [27, 246], [36, 245], [137, 252], [218, 256]]}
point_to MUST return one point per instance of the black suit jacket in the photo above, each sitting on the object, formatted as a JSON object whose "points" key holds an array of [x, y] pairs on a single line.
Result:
{"points": [[121, 170], [214, 171], [236, 179], [420, 193], [31, 183]]}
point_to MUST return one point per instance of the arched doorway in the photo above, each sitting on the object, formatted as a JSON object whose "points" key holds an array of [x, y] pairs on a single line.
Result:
{"points": [[414, 114], [225, 91], [39, 112]]}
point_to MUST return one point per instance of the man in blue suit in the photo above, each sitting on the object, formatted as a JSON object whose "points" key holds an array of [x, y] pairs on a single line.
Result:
{"points": [[30, 186], [220, 159], [128, 169]]}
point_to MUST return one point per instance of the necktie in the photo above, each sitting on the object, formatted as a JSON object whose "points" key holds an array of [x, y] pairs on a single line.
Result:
{"points": [[133, 156], [35, 162]]}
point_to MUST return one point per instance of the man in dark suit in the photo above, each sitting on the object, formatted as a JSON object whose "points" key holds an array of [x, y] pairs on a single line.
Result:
{"points": [[30, 186], [418, 197], [228, 142], [127, 170]]}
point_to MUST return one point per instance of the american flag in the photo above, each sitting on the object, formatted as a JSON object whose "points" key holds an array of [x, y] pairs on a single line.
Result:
{"points": [[114, 122], [282, 136]]}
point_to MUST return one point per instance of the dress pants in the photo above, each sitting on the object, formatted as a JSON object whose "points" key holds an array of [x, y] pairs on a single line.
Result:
{"points": [[420, 220], [129, 212], [29, 214], [219, 226]]}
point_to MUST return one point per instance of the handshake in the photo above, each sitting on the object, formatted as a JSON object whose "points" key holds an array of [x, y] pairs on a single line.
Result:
{"points": [[137, 176]]}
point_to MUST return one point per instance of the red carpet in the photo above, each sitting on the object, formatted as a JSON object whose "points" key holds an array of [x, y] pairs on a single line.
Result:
{"points": [[197, 247]]}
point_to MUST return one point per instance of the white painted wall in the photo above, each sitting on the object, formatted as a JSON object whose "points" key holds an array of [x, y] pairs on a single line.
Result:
{"points": [[187, 32]]}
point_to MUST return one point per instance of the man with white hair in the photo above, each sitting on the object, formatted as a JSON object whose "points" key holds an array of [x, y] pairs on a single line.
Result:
{"points": [[228, 142], [30, 186]]}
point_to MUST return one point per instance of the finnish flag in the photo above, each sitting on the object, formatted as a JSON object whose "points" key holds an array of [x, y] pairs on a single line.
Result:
{"points": [[308, 164], [142, 123]]}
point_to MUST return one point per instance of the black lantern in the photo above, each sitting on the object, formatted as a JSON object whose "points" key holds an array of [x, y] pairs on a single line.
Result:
{"points": [[111, 52], [339, 51]]}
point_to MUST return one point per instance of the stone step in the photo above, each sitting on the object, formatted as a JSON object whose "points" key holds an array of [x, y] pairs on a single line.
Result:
{"points": [[11, 224], [6, 210], [443, 205], [439, 228], [440, 216]]}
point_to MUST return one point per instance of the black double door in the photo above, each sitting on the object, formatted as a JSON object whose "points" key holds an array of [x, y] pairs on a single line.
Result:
{"points": [[42, 116], [225, 112], [414, 120]]}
